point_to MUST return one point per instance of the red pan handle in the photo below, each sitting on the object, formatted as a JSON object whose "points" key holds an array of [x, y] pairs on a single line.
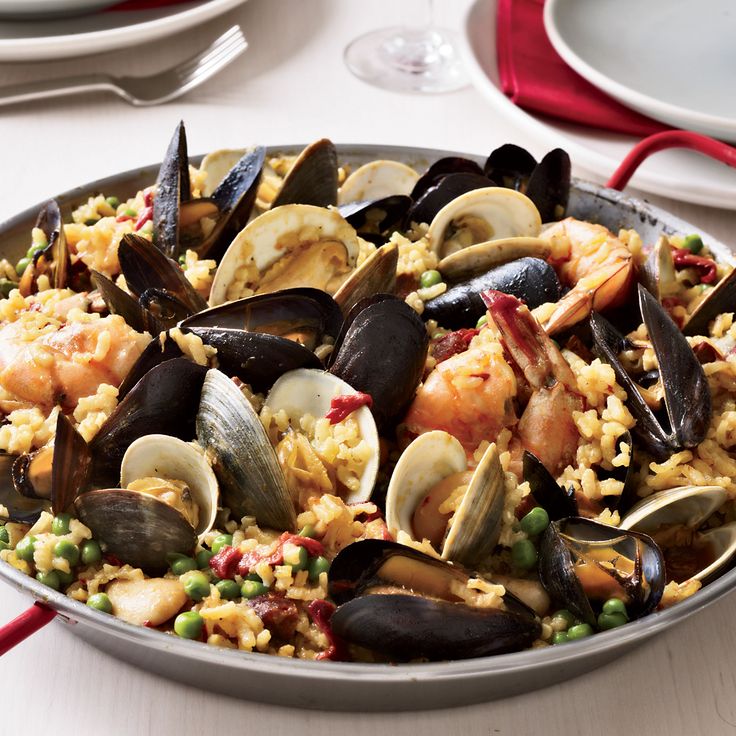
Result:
{"points": [[29, 622], [670, 139]]}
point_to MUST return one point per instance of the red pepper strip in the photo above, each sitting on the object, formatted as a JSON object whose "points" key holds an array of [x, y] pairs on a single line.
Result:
{"points": [[707, 267], [225, 563], [321, 612], [343, 406], [144, 217], [148, 197], [21, 627], [112, 560], [453, 343], [123, 218], [251, 559]]}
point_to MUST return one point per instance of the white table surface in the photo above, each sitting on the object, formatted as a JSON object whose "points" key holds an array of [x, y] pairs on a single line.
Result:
{"points": [[291, 86]]}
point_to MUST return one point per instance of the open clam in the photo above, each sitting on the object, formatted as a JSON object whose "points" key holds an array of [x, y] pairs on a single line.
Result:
{"points": [[293, 245], [407, 605], [431, 471], [676, 519], [376, 180], [167, 500]]}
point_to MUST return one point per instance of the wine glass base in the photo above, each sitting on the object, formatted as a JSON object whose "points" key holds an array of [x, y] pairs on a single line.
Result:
{"points": [[406, 60]]}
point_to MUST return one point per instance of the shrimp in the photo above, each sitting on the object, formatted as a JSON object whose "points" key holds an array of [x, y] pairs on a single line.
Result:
{"points": [[61, 363], [597, 266], [473, 394]]}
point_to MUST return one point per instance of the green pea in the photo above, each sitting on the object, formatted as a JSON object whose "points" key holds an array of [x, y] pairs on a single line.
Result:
{"points": [[130, 212], [579, 631], [4, 535], [560, 637], [65, 578], [100, 602], [4, 545], [318, 565], [223, 540], [60, 524], [481, 321], [35, 247], [611, 620], [189, 625], [535, 522], [614, 605], [252, 589], [22, 265], [203, 558], [24, 548], [114, 202], [182, 260], [183, 564], [197, 586], [297, 557], [49, 578], [430, 278], [6, 286], [255, 577], [524, 554], [565, 615], [229, 589], [68, 550], [693, 243], [91, 552], [308, 531]]}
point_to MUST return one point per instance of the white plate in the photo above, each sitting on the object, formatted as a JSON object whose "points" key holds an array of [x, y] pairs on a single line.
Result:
{"points": [[99, 32], [26, 9], [679, 56], [678, 174]]}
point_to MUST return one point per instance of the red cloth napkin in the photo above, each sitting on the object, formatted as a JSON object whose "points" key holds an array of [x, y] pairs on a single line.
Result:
{"points": [[535, 77]]}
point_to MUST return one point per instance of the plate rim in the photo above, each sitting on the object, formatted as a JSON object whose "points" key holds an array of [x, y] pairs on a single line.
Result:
{"points": [[661, 110], [587, 159], [41, 48], [365, 673]]}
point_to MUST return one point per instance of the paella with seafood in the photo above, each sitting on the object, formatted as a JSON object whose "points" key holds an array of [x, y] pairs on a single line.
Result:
{"points": [[379, 415]]}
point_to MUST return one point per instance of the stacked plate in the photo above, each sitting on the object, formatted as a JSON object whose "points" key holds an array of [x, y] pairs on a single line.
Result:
{"points": [[660, 58]]}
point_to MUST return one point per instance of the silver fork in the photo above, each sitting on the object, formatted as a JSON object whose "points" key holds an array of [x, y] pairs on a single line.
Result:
{"points": [[141, 91]]}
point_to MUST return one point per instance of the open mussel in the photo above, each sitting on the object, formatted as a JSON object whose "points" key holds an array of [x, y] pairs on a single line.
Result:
{"points": [[312, 178], [432, 471], [51, 255], [583, 563], [167, 499], [558, 502], [406, 605], [687, 396], [681, 521]]}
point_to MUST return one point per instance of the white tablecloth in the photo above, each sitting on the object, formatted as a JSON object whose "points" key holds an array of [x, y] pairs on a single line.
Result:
{"points": [[291, 86]]}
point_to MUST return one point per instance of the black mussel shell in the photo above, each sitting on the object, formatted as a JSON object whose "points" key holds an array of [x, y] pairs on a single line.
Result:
{"points": [[302, 314], [168, 310], [127, 306], [376, 275], [686, 390], [721, 299], [21, 508], [313, 177], [636, 571], [157, 351], [436, 197], [257, 359], [31, 473], [549, 185], [145, 267], [510, 166], [376, 217], [172, 188], [138, 529], [557, 501], [382, 613], [164, 401], [53, 260], [532, 280], [71, 464], [382, 353], [442, 168]]}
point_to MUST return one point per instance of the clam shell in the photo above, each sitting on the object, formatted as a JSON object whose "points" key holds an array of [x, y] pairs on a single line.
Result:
{"points": [[508, 214], [261, 242], [217, 164], [307, 391], [163, 456], [246, 466], [377, 179]]}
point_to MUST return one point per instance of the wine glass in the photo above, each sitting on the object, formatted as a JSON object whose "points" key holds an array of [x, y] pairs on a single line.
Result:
{"points": [[424, 59]]}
